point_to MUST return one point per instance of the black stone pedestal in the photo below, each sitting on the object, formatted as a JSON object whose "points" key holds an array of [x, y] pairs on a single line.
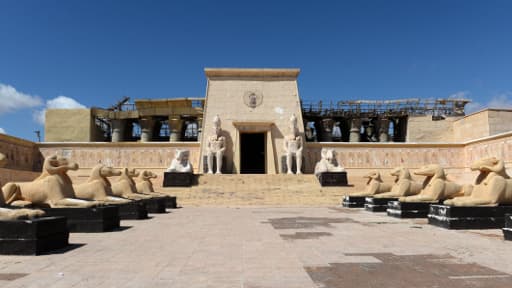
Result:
{"points": [[155, 205], [377, 204], [95, 219], [33, 237], [333, 179], [135, 210], [178, 179], [472, 217], [408, 209], [507, 231], [353, 201], [170, 202]]}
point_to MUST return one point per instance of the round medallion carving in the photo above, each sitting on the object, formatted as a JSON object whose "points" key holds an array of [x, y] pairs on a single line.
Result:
{"points": [[253, 99]]}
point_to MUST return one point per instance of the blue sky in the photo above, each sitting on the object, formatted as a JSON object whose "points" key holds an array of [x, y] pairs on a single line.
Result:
{"points": [[95, 52]]}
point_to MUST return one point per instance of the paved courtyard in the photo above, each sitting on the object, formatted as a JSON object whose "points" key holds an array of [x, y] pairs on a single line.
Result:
{"points": [[270, 247]]}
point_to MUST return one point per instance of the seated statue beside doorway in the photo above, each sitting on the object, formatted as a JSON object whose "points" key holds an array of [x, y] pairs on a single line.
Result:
{"points": [[293, 147], [215, 147], [181, 162], [327, 163]]}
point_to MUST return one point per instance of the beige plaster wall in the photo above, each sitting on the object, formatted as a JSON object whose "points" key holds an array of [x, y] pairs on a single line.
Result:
{"points": [[472, 126], [225, 97], [21, 154], [69, 125], [423, 129]]}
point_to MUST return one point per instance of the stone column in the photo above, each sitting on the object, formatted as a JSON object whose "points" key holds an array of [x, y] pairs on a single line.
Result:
{"points": [[355, 130], [175, 126], [383, 130], [327, 130], [118, 129], [146, 129]]}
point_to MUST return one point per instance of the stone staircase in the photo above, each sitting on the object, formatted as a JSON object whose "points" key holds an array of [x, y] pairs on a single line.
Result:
{"points": [[233, 190]]}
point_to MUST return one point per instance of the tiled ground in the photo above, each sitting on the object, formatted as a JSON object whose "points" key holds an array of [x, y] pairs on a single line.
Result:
{"points": [[270, 247]]}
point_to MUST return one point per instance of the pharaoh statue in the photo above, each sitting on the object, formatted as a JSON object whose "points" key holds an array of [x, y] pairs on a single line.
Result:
{"points": [[181, 162], [15, 214], [53, 188], [215, 147], [492, 187], [293, 146], [328, 162]]}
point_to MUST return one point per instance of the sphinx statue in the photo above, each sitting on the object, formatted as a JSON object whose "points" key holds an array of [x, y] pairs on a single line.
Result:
{"points": [[404, 185], [15, 214], [292, 145], [53, 188], [144, 185], [98, 187], [125, 187], [374, 185], [492, 187], [181, 162], [328, 162], [435, 187], [216, 147]]}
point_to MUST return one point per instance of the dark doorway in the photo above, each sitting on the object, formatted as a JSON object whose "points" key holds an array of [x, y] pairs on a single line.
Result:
{"points": [[252, 153]]}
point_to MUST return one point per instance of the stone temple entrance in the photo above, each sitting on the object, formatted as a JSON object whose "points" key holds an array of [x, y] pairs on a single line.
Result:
{"points": [[252, 153]]}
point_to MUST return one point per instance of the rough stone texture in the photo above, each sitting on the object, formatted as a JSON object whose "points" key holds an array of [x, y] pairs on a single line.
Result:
{"points": [[483, 123], [423, 129], [228, 247], [70, 125]]}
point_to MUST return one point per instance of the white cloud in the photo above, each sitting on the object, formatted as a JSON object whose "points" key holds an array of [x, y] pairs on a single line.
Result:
{"points": [[503, 101], [59, 102], [2, 131], [11, 99], [459, 95]]}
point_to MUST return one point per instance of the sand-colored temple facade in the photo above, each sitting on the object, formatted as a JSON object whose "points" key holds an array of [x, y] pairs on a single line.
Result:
{"points": [[254, 106]]}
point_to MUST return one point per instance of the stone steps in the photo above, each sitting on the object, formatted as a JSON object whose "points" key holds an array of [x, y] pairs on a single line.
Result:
{"points": [[233, 190]]}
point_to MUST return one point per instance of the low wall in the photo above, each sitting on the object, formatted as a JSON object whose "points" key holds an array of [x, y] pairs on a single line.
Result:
{"points": [[21, 154], [357, 158]]}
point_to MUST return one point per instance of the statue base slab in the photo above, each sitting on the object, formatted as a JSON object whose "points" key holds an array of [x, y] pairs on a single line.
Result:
{"points": [[156, 205], [95, 219], [408, 209], [135, 210], [507, 231], [170, 202], [33, 237], [333, 179], [470, 217], [377, 204], [178, 179], [353, 201]]}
